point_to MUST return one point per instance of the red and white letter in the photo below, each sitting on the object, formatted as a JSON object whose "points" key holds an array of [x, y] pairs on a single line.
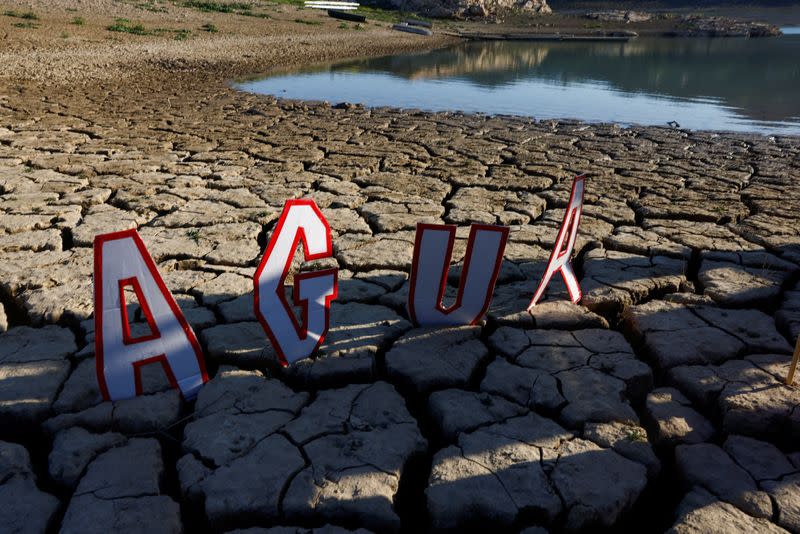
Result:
{"points": [[433, 249], [122, 262], [560, 257], [301, 220]]}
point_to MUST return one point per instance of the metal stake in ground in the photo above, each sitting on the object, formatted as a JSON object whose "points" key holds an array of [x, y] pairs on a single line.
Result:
{"points": [[793, 366]]}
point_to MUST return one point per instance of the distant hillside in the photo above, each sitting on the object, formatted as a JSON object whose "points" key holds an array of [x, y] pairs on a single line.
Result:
{"points": [[663, 4]]}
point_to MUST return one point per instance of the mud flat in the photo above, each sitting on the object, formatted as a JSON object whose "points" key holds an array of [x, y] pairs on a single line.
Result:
{"points": [[660, 397]]}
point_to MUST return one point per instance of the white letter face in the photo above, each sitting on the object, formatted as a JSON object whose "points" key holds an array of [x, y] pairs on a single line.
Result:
{"points": [[121, 261], [432, 252], [301, 220], [560, 256]]}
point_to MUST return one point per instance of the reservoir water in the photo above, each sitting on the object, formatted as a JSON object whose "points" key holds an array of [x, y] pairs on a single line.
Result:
{"points": [[732, 84]]}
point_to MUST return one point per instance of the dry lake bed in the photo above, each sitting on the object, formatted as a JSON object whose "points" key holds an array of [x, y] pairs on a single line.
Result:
{"points": [[657, 402]]}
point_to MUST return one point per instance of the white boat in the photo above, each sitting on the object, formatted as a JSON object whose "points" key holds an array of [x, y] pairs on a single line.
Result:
{"points": [[331, 4]]}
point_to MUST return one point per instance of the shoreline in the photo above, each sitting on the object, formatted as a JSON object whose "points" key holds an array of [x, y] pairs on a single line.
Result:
{"points": [[684, 235]]}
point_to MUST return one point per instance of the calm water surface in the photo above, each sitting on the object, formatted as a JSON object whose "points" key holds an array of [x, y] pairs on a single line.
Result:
{"points": [[746, 85]]}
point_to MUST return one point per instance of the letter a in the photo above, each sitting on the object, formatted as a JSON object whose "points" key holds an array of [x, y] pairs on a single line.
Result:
{"points": [[121, 261], [301, 220], [560, 257], [431, 263]]}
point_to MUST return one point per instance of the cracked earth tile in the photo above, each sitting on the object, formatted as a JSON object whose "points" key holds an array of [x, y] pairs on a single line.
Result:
{"points": [[692, 205], [708, 335], [25, 507], [361, 254], [709, 467], [74, 449], [425, 359], [104, 219], [121, 491], [455, 411], [699, 235], [225, 244], [494, 474], [355, 459], [595, 484], [593, 396], [635, 240], [752, 401], [553, 352], [788, 316], [510, 302], [344, 221], [243, 344], [33, 366], [476, 205], [527, 387], [762, 460], [613, 280], [356, 333], [700, 511], [786, 496], [207, 213], [675, 420], [35, 241], [735, 285], [236, 411], [71, 301], [25, 344], [627, 440], [237, 310], [226, 286], [147, 413]]}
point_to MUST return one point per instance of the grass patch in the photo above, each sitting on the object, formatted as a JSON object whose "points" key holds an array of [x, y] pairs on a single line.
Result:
{"points": [[26, 25], [78, 21], [343, 26], [636, 434], [125, 26], [210, 28], [64, 35], [194, 235], [256, 15], [29, 15], [236, 8], [218, 7], [308, 22], [150, 6]]}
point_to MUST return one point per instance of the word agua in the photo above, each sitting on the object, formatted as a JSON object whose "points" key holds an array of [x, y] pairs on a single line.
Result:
{"points": [[122, 262]]}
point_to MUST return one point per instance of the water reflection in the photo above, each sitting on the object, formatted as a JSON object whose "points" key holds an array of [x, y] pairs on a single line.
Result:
{"points": [[717, 84]]}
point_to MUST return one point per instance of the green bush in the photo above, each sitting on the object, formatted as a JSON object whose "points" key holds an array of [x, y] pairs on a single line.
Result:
{"points": [[218, 7]]}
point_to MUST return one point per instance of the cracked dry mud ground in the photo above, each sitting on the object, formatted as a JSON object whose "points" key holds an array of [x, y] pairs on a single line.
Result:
{"points": [[656, 403]]}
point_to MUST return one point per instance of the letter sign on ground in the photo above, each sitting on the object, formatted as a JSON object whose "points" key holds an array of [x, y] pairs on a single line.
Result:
{"points": [[122, 263], [560, 257], [301, 220], [122, 266], [433, 249]]}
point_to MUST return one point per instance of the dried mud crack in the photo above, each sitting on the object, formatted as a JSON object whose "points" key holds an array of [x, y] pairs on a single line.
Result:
{"points": [[659, 397]]}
